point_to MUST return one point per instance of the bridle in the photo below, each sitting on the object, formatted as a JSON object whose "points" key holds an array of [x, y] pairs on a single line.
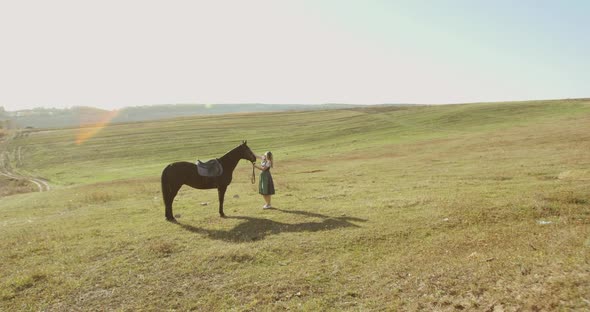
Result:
{"points": [[253, 179]]}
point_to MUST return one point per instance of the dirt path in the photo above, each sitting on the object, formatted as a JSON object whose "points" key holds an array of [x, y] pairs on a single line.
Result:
{"points": [[6, 169]]}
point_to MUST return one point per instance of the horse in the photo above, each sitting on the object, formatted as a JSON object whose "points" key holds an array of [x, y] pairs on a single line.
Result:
{"points": [[177, 174]]}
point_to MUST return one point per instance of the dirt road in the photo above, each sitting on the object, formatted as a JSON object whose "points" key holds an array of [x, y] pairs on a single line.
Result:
{"points": [[6, 168]]}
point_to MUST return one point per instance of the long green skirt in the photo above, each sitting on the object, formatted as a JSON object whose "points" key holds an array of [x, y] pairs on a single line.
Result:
{"points": [[265, 183]]}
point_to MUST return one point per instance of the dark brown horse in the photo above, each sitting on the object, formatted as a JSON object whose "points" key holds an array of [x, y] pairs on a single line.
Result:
{"points": [[177, 174]]}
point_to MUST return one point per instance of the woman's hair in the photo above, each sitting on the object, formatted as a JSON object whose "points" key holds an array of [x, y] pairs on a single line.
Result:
{"points": [[268, 155]]}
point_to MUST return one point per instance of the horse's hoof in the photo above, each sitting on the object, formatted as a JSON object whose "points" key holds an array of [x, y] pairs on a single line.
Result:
{"points": [[222, 215], [171, 220]]}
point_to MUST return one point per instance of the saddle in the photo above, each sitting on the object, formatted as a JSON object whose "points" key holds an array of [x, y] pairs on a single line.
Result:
{"points": [[211, 168]]}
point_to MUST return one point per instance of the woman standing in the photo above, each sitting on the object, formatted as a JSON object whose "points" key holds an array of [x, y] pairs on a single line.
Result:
{"points": [[266, 186]]}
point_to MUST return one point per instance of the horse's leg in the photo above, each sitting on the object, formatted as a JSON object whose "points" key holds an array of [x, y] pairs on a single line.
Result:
{"points": [[167, 193], [221, 192], [173, 192]]}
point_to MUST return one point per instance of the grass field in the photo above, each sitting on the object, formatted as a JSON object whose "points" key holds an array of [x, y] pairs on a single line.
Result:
{"points": [[456, 207]]}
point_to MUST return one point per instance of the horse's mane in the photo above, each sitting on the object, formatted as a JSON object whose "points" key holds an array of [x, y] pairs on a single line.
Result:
{"points": [[231, 152]]}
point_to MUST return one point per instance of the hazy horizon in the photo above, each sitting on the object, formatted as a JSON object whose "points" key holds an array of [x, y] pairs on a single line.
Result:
{"points": [[114, 54], [195, 104], [271, 104]]}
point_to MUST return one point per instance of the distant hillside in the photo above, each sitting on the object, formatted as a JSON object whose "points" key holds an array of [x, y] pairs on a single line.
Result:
{"points": [[76, 116], [140, 113]]}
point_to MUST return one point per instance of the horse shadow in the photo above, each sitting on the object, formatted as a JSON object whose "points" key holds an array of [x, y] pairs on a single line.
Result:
{"points": [[254, 229]]}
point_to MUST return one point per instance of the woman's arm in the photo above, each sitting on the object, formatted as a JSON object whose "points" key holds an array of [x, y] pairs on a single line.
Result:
{"points": [[261, 168]]}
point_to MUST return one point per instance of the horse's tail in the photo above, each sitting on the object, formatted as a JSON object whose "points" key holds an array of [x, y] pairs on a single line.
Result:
{"points": [[167, 193]]}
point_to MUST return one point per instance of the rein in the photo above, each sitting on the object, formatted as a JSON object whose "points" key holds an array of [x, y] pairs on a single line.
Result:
{"points": [[253, 179]]}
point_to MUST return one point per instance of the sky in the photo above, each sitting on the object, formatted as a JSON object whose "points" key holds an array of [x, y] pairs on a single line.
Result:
{"points": [[112, 54]]}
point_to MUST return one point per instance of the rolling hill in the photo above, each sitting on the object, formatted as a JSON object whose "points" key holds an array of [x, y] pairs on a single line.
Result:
{"points": [[456, 207], [82, 116]]}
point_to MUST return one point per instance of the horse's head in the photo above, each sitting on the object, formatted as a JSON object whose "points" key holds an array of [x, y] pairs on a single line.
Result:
{"points": [[247, 152]]}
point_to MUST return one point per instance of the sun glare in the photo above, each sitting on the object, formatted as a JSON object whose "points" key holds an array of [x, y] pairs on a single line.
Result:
{"points": [[88, 129]]}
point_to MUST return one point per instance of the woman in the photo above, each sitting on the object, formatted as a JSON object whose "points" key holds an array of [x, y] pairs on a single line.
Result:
{"points": [[266, 186]]}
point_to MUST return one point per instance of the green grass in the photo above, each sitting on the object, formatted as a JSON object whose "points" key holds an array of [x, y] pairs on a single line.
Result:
{"points": [[383, 208]]}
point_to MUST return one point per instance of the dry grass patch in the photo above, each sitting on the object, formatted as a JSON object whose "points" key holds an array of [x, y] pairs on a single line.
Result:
{"points": [[97, 197], [11, 186], [163, 248]]}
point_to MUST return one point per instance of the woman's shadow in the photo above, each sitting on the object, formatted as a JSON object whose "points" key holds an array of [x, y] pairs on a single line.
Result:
{"points": [[257, 229]]}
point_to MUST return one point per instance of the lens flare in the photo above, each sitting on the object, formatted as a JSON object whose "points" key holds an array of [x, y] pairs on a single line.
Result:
{"points": [[89, 128]]}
